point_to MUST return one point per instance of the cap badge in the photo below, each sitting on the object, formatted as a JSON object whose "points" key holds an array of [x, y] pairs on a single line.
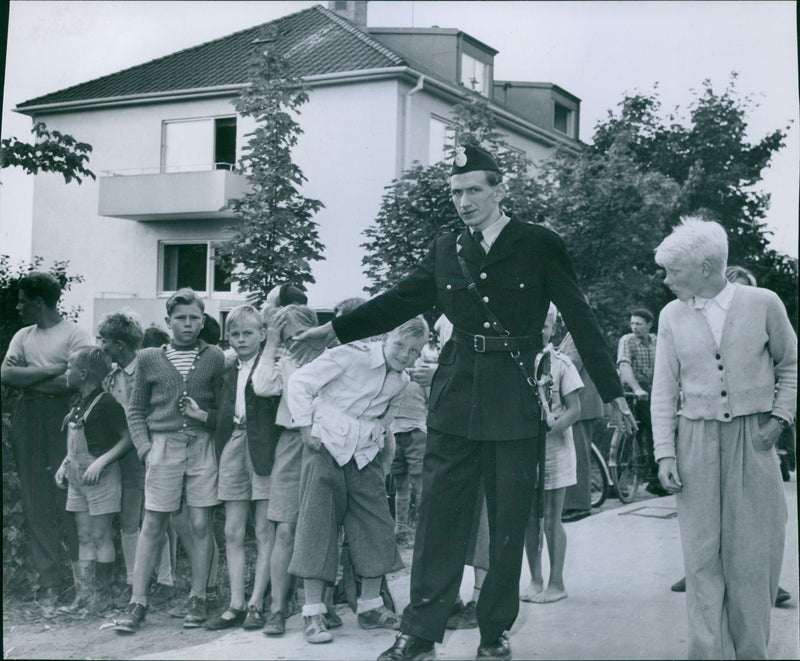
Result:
{"points": [[461, 157]]}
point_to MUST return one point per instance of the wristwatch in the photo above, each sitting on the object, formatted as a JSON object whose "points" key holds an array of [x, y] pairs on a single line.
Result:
{"points": [[785, 424]]}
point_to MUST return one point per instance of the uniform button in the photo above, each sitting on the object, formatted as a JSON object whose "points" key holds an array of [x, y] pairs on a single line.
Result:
{"points": [[485, 299], [522, 285], [724, 393], [449, 287], [486, 324], [483, 276]]}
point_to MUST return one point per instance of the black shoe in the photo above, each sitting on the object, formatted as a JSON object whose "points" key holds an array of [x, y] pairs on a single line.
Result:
{"points": [[783, 595], [196, 613], [498, 649], [160, 594], [131, 619], [466, 619], [218, 622], [409, 648], [680, 586], [574, 515], [656, 489], [254, 619]]}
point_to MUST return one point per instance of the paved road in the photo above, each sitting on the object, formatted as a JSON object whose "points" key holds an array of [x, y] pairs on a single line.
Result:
{"points": [[620, 564]]}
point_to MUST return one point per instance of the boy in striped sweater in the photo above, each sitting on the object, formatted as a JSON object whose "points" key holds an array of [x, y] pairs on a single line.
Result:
{"points": [[171, 416]]}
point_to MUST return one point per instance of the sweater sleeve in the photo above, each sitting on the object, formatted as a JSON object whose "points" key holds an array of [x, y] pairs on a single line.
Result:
{"points": [[137, 408], [666, 391], [783, 349]]}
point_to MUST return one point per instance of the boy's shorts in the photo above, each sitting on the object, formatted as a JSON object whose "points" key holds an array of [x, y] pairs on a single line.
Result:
{"points": [[105, 497], [237, 478], [132, 469], [409, 453], [177, 460]]}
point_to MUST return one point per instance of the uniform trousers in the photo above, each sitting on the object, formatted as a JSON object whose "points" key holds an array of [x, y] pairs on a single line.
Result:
{"points": [[451, 475], [40, 445], [732, 515]]}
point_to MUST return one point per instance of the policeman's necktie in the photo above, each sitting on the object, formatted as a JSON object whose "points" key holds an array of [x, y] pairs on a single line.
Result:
{"points": [[477, 236]]}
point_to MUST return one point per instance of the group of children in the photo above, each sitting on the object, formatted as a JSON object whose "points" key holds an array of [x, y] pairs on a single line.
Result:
{"points": [[177, 430]]}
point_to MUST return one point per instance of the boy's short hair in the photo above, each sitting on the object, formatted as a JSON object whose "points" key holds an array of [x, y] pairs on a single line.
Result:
{"points": [[185, 296], [154, 337], [210, 333], [694, 241], [734, 273], [416, 328], [348, 305], [92, 359], [37, 284], [122, 327], [644, 313], [242, 312], [302, 315]]}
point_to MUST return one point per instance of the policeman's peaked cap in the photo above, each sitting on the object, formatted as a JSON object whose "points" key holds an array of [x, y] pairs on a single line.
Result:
{"points": [[469, 158]]}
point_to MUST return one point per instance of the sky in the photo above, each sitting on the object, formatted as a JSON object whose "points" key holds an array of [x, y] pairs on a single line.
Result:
{"points": [[598, 51]]}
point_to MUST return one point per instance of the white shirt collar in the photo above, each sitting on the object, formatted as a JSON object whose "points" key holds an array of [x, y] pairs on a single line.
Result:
{"points": [[246, 364], [491, 233], [723, 299], [376, 357]]}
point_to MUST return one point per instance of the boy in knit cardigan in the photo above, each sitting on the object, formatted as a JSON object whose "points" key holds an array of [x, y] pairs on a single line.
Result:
{"points": [[724, 387], [175, 387]]}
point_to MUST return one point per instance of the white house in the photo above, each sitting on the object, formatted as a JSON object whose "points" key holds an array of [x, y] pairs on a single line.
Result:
{"points": [[165, 139]]}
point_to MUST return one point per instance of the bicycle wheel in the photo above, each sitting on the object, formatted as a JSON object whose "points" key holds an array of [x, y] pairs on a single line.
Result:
{"points": [[623, 465], [599, 478]]}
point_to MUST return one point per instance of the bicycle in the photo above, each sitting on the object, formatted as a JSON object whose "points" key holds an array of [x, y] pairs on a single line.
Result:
{"points": [[627, 459], [600, 476]]}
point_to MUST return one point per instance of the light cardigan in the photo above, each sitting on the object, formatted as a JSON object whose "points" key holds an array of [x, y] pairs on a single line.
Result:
{"points": [[754, 369]]}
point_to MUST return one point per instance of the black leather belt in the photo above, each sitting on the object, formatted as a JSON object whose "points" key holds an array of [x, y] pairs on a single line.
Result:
{"points": [[483, 343]]}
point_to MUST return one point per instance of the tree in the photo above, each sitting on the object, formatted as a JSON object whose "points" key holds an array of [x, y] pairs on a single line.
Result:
{"points": [[275, 237], [416, 208], [53, 151], [709, 156]]}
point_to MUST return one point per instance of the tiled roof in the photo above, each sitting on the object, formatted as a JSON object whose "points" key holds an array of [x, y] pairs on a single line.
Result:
{"points": [[316, 41]]}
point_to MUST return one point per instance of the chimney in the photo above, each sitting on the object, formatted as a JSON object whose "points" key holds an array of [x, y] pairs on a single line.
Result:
{"points": [[352, 10]]}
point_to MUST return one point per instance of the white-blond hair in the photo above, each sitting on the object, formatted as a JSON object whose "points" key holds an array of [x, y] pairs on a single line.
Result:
{"points": [[695, 241], [416, 328]]}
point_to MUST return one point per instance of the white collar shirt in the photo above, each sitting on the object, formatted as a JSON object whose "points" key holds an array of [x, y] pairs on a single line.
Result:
{"points": [[491, 233], [715, 309], [239, 409], [119, 382], [348, 396]]}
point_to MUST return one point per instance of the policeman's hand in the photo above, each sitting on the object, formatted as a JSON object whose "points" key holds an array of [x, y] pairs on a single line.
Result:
{"points": [[93, 473], [311, 442], [422, 374], [309, 344], [668, 475], [621, 416]]}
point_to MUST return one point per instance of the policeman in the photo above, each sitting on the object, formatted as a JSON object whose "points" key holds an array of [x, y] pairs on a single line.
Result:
{"points": [[494, 280]]}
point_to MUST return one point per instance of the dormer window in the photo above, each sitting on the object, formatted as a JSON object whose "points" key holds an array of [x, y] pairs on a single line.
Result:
{"points": [[563, 119], [474, 74]]}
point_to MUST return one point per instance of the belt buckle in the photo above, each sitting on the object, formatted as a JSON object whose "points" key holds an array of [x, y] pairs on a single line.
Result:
{"points": [[479, 346]]}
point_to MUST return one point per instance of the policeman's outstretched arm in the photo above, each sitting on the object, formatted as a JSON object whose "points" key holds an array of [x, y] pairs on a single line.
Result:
{"points": [[312, 342]]}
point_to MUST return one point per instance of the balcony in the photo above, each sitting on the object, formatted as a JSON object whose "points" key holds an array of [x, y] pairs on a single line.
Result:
{"points": [[170, 195]]}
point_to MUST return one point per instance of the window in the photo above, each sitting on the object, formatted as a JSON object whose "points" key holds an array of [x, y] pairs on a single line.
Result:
{"points": [[441, 139], [192, 265], [563, 119], [199, 144], [474, 74]]}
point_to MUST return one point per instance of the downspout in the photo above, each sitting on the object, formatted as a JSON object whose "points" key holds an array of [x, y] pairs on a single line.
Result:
{"points": [[407, 129]]}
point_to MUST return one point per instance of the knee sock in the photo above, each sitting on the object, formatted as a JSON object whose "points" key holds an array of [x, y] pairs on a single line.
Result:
{"points": [[129, 541], [313, 590]]}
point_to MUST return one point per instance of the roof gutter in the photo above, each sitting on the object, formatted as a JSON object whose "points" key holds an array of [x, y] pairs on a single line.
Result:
{"points": [[407, 123], [506, 117]]}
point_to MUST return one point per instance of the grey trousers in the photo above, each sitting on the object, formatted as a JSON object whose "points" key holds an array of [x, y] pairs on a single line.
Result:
{"points": [[732, 514]]}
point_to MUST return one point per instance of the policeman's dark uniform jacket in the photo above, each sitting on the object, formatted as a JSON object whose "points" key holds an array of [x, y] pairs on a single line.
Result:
{"points": [[482, 418]]}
